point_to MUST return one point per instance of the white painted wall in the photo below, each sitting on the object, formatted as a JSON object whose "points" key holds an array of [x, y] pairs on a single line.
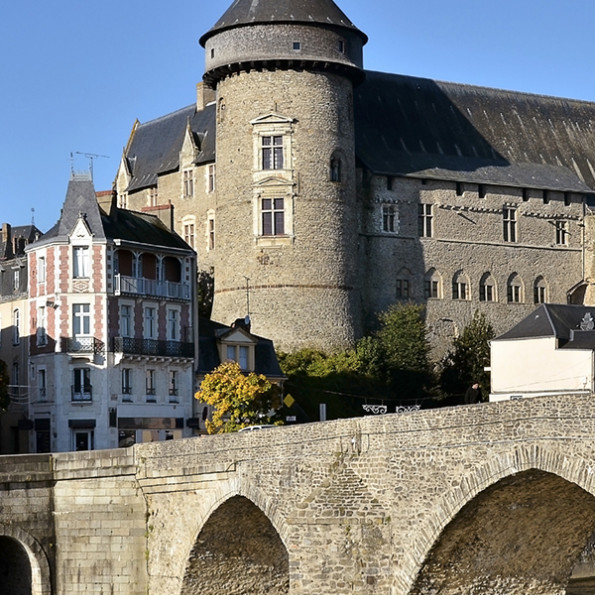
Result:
{"points": [[534, 367]]}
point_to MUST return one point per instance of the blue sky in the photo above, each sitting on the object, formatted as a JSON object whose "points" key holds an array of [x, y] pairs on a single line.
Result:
{"points": [[75, 74]]}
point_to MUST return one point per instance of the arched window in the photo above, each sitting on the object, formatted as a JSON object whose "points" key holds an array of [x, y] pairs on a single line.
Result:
{"points": [[514, 289], [487, 288], [335, 169], [432, 285], [460, 286], [539, 291]]}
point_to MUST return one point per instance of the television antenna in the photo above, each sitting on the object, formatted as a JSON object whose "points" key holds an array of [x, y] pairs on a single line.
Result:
{"points": [[89, 156]]}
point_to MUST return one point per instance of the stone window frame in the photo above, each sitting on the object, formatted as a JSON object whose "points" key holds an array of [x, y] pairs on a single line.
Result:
{"points": [[540, 290], [269, 126], [515, 293], [425, 220], [189, 230], [488, 288], [187, 183], [461, 287], [152, 196], [210, 178], [562, 233], [509, 224], [210, 230], [272, 192], [225, 347], [433, 286], [390, 221]]}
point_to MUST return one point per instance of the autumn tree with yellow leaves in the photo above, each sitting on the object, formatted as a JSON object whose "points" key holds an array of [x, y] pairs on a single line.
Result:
{"points": [[238, 399]]}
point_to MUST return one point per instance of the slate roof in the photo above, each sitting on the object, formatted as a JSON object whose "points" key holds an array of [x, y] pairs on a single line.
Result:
{"points": [[120, 224], [80, 198], [155, 146], [410, 126], [249, 12], [209, 331], [414, 126], [561, 321], [28, 233]]}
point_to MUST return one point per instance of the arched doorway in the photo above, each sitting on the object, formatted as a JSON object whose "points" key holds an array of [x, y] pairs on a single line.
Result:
{"points": [[524, 534], [237, 551], [15, 567]]}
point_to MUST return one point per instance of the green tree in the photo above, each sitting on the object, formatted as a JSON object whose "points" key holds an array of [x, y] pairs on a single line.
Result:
{"points": [[4, 398], [238, 399], [405, 350], [465, 363]]}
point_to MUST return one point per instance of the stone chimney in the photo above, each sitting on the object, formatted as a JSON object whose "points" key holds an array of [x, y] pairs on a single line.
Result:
{"points": [[7, 241], [204, 96], [106, 200]]}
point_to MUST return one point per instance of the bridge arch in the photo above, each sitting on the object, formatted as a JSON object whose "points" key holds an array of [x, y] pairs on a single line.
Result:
{"points": [[238, 546], [24, 568], [552, 489]]}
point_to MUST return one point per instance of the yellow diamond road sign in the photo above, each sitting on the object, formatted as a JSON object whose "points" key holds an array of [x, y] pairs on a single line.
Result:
{"points": [[289, 400]]}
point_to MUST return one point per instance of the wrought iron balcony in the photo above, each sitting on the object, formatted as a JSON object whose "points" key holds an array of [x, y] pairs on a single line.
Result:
{"points": [[81, 345], [150, 287], [133, 346]]}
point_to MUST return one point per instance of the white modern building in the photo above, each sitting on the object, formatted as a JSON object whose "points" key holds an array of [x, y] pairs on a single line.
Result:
{"points": [[549, 352]]}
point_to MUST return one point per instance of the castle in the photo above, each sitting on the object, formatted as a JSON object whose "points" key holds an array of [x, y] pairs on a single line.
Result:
{"points": [[318, 193]]}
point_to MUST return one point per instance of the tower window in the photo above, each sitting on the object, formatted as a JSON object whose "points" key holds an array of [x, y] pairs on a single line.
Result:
{"points": [[335, 169], [273, 217], [297, 46], [272, 152], [341, 46]]}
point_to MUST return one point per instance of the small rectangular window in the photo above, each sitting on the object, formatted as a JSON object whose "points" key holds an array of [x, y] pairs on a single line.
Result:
{"points": [[297, 46], [126, 381], [272, 152], [425, 221], [509, 225], [481, 191], [561, 233], [211, 177], [81, 266], [273, 217], [188, 176], [389, 218]]}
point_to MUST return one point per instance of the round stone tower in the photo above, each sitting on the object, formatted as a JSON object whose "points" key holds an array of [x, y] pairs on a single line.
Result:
{"points": [[286, 220]]}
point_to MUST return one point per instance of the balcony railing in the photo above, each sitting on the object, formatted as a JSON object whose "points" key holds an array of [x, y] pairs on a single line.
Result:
{"points": [[132, 346], [81, 393], [151, 287], [81, 345]]}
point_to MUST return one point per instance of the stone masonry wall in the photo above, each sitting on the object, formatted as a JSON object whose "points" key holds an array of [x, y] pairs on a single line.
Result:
{"points": [[373, 505]]}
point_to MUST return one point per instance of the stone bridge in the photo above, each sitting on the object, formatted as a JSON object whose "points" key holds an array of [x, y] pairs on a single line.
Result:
{"points": [[493, 498]]}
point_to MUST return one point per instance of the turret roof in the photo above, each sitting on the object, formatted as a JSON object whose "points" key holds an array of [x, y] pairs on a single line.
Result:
{"points": [[251, 12]]}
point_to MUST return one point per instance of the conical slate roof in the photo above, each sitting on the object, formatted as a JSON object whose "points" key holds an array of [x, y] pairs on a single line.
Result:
{"points": [[252, 12]]}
